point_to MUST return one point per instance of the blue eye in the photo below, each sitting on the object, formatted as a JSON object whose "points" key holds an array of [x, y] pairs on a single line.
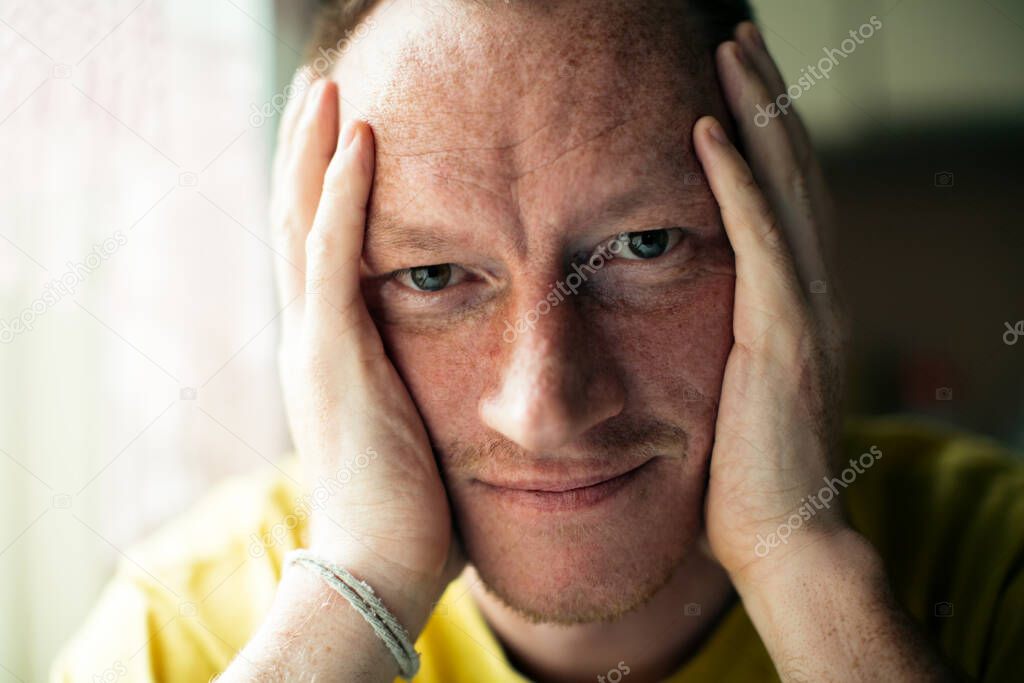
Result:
{"points": [[650, 244], [430, 278]]}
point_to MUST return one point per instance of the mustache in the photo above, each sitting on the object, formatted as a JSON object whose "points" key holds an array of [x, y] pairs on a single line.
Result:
{"points": [[638, 439]]}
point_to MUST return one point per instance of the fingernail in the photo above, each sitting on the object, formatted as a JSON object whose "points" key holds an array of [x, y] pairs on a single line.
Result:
{"points": [[348, 133], [718, 134]]}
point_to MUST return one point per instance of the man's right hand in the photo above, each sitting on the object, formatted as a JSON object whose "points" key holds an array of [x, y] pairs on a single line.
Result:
{"points": [[385, 517]]}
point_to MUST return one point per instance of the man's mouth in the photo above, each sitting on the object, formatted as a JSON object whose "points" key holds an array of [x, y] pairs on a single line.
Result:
{"points": [[561, 493]]}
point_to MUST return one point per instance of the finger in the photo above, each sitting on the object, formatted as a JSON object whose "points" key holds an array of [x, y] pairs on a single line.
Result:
{"points": [[752, 41], [765, 278], [334, 302], [773, 160], [299, 88], [312, 143]]}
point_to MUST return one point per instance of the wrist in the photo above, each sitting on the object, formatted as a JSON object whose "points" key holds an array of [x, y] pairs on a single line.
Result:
{"points": [[301, 634], [408, 595], [828, 607], [397, 574], [309, 619], [776, 556], [830, 572], [821, 555]]}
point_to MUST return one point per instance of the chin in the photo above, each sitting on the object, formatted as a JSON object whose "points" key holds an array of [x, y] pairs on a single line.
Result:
{"points": [[589, 565]]}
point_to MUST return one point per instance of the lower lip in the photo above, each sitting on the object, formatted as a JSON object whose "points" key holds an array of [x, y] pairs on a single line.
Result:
{"points": [[566, 501]]}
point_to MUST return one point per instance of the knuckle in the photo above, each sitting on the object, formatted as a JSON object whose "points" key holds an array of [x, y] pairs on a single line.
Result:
{"points": [[321, 245], [801, 191], [746, 181], [767, 223], [771, 231], [799, 187], [286, 227]]}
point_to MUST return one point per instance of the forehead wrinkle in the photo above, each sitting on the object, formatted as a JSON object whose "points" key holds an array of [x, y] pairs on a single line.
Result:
{"points": [[570, 149], [401, 229], [389, 234], [499, 148], [514, 234], [462, 181]]}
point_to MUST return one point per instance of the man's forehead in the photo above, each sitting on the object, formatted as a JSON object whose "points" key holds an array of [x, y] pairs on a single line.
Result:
{"points": [[492, 76], [504, 103]]}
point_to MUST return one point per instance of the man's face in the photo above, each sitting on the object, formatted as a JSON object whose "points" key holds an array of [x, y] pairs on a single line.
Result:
{"points": [[512, 144]]}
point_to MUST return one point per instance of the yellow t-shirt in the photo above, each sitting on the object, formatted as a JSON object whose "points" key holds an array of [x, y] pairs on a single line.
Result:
{"points": [[944, 509]]}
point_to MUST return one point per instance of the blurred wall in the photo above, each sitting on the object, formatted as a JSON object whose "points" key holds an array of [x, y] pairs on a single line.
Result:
{"points": [[931, 60], [135, 176]]}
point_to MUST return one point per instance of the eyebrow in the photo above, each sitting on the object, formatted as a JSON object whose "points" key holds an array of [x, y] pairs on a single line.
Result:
{"points": [[390, 232], [620, 206], [393, 234]]}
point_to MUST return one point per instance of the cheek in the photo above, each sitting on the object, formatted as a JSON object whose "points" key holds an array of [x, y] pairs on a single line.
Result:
{"points": [[444, 373], [673, 361], [686, 350]]}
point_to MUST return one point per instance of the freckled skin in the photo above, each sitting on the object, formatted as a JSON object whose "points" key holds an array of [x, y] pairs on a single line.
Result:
{"points": [[501, 132]]}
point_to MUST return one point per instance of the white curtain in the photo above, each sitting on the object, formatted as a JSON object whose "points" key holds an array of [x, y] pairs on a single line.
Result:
{"points": [[137, 316]]}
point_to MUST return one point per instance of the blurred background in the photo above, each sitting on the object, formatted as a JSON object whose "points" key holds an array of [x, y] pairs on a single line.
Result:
{"points": [[136, 142]]}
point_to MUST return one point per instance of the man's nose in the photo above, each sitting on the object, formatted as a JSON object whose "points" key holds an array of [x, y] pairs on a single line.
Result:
{"points": [[555, 382]]}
